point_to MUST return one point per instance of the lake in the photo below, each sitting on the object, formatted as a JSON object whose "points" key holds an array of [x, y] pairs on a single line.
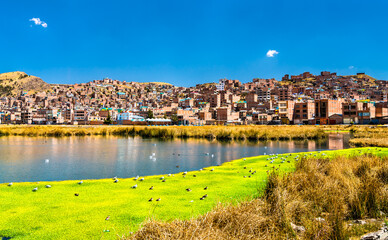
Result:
{"points": [[24, 159]]}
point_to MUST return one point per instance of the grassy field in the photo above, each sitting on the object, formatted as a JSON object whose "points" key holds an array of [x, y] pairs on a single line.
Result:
{"points": [[56, 213]]}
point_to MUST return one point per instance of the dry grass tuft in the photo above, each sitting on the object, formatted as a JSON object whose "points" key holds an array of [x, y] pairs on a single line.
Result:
{"points": [[322, 195]]}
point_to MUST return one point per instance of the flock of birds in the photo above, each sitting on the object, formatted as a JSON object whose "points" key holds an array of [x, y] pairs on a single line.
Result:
{"points": [[271, 158]]}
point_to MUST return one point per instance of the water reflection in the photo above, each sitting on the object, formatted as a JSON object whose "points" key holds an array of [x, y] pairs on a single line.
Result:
{"points": [[24, 159]]}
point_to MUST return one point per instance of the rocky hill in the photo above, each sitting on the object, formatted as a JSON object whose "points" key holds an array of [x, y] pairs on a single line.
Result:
{"points": [[12, 83]]}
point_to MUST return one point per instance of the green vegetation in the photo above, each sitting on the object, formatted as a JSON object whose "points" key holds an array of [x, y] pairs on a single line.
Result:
{"points": [[56, 213], [320, 200], [252, 133]]}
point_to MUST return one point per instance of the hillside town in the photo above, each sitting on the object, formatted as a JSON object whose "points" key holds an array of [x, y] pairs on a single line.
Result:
{"points": [[326, 98]]}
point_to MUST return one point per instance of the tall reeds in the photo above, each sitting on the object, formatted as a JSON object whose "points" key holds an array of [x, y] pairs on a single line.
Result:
{"points": [[253, 133]]}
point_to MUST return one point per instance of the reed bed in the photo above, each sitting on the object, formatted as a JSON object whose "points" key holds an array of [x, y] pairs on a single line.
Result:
{"points": [[252, 133], [318, 201], [369, 136]]}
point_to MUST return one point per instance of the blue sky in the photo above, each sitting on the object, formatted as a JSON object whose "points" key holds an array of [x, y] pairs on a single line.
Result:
{"points": [[189, 42]]}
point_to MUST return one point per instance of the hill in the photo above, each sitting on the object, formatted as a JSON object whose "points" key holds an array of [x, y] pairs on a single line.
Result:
{"points": [[12, 83]]}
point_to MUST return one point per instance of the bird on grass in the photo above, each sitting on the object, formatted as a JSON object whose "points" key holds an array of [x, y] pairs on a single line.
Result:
{"points": [[76, 194], [141, 179], [212, 169], [204, 196], [150, 200], [137, 177], [205, 188], [35, 189], [80, 182], [194, 175], [188, 189], [134, 186], [10, 184], [164, 180], [48, 186], [151, 188], [116, 181], [158, 199], [107, 218], [184, 173], [161, 178]]}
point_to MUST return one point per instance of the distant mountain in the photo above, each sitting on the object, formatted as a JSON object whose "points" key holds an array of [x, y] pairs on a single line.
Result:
{"points": [[12, 83]]}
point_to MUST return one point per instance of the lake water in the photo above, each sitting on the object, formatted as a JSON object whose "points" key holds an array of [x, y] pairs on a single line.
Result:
{"points": [[24, 159]]}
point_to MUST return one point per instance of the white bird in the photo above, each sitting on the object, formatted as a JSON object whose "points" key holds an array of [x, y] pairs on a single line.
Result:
{"points": [[184, 173], [80, 182], [47, 161], [10, 184], [150, 157], [200, 169], [154, 159], [271, 161], [48, 186], [212, 155], [137, 177], [161, 178], [35, 189], [116, 181], [244, 159], [141, 179], [134, 186], [169, 175], [153, 154]]}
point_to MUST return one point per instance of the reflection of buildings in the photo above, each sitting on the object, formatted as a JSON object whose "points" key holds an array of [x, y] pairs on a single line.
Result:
{"points": [[335, 141]]}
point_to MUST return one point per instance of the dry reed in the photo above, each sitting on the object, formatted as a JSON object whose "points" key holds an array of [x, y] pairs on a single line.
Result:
{"points": [[322, 195]]}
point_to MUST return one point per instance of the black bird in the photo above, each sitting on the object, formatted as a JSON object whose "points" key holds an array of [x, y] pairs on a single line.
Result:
{"points": [[204, 196], [245, 167], [164, 180], [201, 198], [150, 200], [205, 188], [194, 175], [152, 187], [76, 194], [188, 189], [158, 199]]}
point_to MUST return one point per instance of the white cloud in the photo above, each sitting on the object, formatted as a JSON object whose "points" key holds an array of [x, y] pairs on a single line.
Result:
{"points": [[351, 67], [272, 53], [37, 21]]}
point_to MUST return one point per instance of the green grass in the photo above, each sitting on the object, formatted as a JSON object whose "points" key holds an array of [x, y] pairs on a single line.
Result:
{"points": [[56, 213]]}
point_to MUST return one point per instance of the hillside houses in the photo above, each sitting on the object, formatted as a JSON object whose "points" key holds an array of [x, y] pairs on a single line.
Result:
{"points": [[326, 98]]}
